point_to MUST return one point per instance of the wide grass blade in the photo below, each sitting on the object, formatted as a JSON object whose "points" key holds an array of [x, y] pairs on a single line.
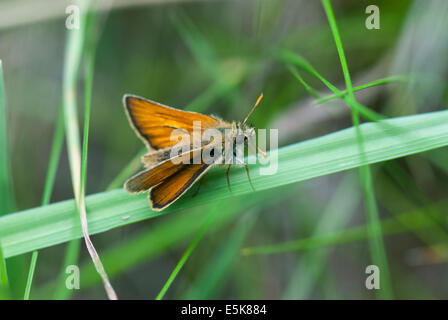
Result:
{"points": [[56, 223]]}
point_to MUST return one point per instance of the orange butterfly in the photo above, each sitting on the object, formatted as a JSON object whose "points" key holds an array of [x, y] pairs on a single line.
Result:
{"points": [[169, 174]]}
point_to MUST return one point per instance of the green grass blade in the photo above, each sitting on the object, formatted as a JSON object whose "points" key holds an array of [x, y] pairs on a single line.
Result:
{"points": [[58, 140], [76, 44], [4, 287], [12, 269], [6, 196], [30, 274], [71, 258], [308, 88], [374, 83], [71, 70], [226, 77], [438, 157], [336, 215], [295, 59], [210, 279], [88, 87], [166, 234], [56, 148], [90, 59], [405, 197], [56, 223], [72, 61], [377, 250], [404, 222], [200, 49], [188, 252], [7, 203]]}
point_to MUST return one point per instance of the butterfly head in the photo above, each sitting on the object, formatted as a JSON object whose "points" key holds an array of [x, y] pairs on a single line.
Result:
{"points": [[243, 133]]}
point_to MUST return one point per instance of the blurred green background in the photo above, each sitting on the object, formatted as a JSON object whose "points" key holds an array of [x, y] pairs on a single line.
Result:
{"points": [[216, 57]]}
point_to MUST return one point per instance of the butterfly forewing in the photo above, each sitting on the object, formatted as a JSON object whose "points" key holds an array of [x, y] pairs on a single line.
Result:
{"points": [[155, 123]]}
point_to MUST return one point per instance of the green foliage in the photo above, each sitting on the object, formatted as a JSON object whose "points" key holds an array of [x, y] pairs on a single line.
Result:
{"points": [[56, 223], [219, 244]]}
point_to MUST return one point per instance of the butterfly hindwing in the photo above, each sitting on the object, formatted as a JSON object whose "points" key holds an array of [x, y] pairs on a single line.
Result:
{"points": [[165, 193], [157, 172], [146, 179]]}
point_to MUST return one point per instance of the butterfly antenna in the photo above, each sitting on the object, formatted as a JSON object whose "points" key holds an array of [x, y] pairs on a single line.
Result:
{"points": [[262, 152], [253, 108]]}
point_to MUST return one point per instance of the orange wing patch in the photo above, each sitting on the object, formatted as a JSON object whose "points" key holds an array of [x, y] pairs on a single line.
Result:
{"points": [[149, 178], [154, 122], [164, 194], [152, 176]]}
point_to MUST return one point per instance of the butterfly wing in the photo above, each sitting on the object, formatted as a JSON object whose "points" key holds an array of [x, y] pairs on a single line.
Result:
{"points": [[170, 179], [165, 193], [154, 122], [148, 178]]}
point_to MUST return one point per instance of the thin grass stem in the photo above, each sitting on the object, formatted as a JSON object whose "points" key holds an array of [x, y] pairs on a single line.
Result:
{"points": [[378, 253], [186, 255]]}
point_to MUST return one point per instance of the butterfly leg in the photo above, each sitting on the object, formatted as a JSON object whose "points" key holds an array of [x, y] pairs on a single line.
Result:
{"points": [[248, 176], [247, 171], [228, 179], [200, 183]]}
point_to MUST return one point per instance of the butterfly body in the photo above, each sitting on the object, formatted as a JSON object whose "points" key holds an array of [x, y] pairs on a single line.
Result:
{"points": [[180, 151]]}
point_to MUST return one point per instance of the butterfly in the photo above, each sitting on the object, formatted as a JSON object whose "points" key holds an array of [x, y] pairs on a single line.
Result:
{"points": [[177, 141]]}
